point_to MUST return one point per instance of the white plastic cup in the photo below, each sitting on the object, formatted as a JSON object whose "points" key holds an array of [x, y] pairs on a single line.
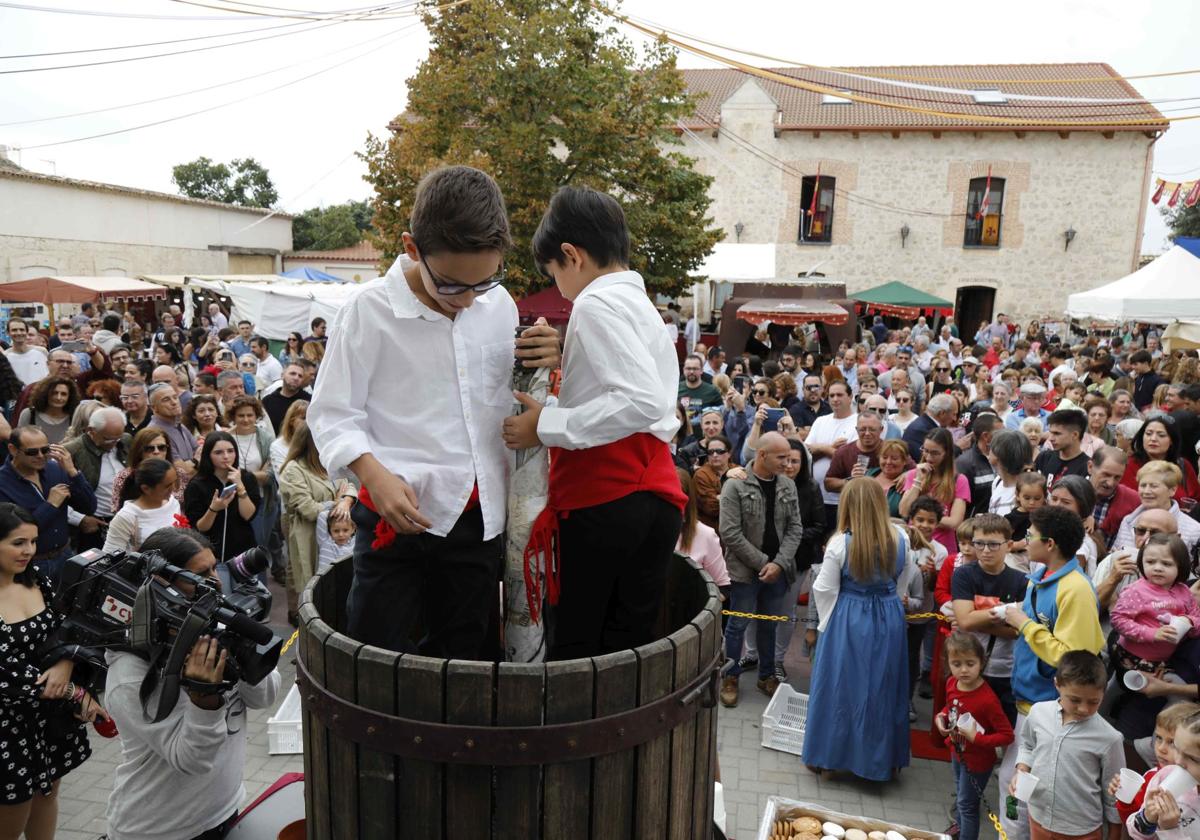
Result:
{"points": [[1135, 680], [1026, 782], [1179, 782], [1131, 783], [999, 611], [1182, 625]]}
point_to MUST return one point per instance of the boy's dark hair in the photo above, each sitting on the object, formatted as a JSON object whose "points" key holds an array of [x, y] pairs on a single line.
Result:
{"points": [[1081, 667], [1029, 478], [1061, 525], [588, 219], [244, 321], [459, 209], [992, 523], [927, 504], [316, 322], [111, 322], [1176, 548], [1069, 418], [985, 422], [1141, 357], [713, 352]]}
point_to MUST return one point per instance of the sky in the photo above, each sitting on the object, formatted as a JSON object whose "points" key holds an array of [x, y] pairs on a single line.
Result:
{"points": [[307, 132]]}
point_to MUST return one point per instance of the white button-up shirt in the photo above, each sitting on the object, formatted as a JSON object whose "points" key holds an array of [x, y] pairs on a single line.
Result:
{"points": [[426, 395], [620, 369]]}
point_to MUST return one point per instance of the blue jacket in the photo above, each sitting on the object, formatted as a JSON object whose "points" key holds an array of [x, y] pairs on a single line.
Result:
{"points": [[1067, 618], [51, 520]]}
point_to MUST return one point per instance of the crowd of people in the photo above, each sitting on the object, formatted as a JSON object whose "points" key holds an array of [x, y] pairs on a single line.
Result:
{"points": [[943, 477], [127, 436]]}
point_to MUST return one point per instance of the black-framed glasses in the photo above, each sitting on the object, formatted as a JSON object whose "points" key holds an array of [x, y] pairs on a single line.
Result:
{"points": [[450, 287], [35, 451], [760, 392], [984, 545], [943, 370], [812, 387]]}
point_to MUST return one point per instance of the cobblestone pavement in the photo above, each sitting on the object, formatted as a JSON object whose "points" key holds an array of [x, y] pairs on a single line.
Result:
{"points": [[922, 797]]}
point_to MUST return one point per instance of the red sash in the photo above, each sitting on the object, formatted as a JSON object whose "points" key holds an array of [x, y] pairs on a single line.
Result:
{"points": [[581, 478]]}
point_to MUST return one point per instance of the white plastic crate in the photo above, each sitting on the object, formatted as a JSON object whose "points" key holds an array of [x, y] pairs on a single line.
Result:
{"points": [[285, 730], [783, 720], [779, 807]]}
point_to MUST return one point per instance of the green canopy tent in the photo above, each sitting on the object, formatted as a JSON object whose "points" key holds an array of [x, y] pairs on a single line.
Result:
{"points": [[901, 301]]}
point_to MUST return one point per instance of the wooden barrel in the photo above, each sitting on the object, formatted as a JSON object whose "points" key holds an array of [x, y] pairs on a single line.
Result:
{"points": [[616, 746]]}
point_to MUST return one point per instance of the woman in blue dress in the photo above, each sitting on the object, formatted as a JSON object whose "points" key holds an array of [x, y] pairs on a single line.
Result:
{"points": [[858, 698]]}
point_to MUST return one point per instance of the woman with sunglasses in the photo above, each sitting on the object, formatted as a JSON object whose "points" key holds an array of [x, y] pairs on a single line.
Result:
{"points": [[148, 443], [940, 378], [904, 415], [1158, 440], [291, 350]]}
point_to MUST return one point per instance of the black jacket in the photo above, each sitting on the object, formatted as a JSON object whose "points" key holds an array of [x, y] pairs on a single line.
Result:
{"points": [[975, 466]]}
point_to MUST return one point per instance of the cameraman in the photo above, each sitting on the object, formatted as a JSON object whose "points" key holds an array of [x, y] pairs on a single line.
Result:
{"points": [[182, 777]]}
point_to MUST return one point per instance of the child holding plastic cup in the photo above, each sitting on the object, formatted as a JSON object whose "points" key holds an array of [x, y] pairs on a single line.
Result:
{"points": [[1163, 743], [1172, 804], [973, 724], [1155, 613], [1067, 733]]}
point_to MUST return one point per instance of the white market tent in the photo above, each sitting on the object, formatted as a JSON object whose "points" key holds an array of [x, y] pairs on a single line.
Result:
{"points": [[1163, 291], [276, 305]]}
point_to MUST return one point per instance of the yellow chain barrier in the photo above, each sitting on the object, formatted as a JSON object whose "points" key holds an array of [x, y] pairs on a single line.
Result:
{"points": [[289, 642], [756, 616]]}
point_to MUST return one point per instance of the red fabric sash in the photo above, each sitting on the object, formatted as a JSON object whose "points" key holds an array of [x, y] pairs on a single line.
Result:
{"points": [[582, 478], [385, 534]]}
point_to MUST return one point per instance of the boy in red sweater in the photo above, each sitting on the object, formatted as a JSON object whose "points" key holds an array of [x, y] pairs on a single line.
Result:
{"points": [[974, 725]]}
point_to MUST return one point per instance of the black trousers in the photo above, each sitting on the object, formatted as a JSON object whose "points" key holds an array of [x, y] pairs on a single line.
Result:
{"points": [[448, 585], [614, 568]]}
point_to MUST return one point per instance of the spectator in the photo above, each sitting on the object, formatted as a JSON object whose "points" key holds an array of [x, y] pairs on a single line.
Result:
{"points": [[811, 406], [902, 398], [859, 610], [935, 476], [1033, 395], [700, 541], [29, 362], [1114, 501], [222, 498], [1158, 440], [205, 384], [136, 406], [1145, 379], [148, 503], [277, 403], [893, 464], [291, 349], [941, 411], [1098, 413], [42, 734], [1009, 453], [41, 477], [215, 316], [856, 458], [307, 490], [1157, 485], [1059, 615], [709, 477], [100, 453], [181, 777], [694, 392], [230, 386], [761, 531], [915, 380], [828, 434], [240, 344], [248, 365], [168, 416], [314, 352], [318, 326], [1075, 493], [279, 447], [940, 378], [270, 370], [1065, 457], [974, 464], [52, 403], [202, 416]]}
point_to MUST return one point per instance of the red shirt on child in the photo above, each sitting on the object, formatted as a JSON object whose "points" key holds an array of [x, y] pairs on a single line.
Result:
{"points": [[1136, 805], [985, 707]]}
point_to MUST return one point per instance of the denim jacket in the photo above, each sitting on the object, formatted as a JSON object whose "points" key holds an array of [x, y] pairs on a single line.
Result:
{"points": [[743, 525]]}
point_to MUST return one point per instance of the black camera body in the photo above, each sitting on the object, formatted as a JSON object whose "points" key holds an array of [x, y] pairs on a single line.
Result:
{"points": [[130, 601]]}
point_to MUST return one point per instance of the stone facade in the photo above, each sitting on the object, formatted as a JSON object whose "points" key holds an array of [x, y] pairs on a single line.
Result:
{"points": [[1085, 181]]}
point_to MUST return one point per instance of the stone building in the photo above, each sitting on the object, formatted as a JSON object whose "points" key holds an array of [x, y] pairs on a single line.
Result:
{"points": [[899, 192], [62, 226]]}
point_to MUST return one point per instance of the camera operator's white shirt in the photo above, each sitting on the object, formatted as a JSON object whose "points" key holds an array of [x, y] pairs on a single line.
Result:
{"points": [[181, 776], [425, 394]]}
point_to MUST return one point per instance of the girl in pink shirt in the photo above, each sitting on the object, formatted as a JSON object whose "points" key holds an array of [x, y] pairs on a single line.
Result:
{"points": [[1144, 611]]}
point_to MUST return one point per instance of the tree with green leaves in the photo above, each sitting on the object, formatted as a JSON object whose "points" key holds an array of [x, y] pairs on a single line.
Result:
{"points": [[542, 93], [1183, 221], [244, 182], [326, 228]]}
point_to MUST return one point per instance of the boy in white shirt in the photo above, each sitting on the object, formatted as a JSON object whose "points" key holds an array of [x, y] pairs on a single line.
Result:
{"points": [[611, 468], [415, 383]]}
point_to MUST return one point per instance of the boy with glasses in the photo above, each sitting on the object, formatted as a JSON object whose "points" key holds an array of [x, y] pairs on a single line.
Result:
{"points": [[423, 439]]}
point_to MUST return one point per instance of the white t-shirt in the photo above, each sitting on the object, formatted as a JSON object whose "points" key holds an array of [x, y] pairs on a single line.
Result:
{"points": [[1004, 499], [825, 430], [249, 458], [29, 366]]}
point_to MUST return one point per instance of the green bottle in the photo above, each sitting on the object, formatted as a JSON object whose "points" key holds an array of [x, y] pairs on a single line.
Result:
{"points": [[1010, 807]]}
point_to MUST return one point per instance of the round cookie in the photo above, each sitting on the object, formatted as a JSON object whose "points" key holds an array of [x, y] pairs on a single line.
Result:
{"points": [[855, 834], [807, 825]]}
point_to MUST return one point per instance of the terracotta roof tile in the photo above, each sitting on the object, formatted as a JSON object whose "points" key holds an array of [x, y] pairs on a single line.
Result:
{"points": [[803, 109]]}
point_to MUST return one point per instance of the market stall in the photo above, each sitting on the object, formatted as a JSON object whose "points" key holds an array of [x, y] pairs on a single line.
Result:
{"points": [[55, 290], [1162, 291], [899, 300], [548, 303]]}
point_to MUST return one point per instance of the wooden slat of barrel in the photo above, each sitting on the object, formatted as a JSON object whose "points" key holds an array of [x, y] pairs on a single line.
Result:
{"points": [[469, 787], [656, 669], [567, 786], [340, 678], [419, 696], [711, 641], [316, 768], [325, 597], [343, 576], [377, 816], [613, 775], [519, 692], [683, 738]]}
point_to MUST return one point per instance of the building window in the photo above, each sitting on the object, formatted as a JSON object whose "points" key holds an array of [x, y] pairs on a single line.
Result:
{"points": [[983, 229], [816, 221]]}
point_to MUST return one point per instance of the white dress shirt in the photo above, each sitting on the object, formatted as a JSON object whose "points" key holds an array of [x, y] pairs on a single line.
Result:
{"points": [[270, 371], [425, 394], [620, 370]]}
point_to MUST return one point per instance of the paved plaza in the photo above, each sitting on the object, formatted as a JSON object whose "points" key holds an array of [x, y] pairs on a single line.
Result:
{"points": [[921, 798]]}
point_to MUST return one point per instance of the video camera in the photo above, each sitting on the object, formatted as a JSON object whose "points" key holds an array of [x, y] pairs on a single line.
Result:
{"points": [[129, 601]]}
